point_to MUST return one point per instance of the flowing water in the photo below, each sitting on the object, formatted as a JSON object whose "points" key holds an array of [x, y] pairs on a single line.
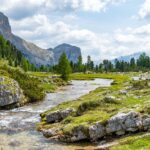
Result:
{"points": [[18, 126]]}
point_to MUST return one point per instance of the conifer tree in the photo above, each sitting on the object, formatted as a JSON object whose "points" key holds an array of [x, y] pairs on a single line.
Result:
{"points": [[64, 67]]}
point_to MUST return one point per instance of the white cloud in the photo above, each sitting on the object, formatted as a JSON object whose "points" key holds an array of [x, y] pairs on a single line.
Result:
{"points": [[144, 11], [49, 34], [19, 9], [134, 39], [30, 20], [46, 33], [83, 5]]}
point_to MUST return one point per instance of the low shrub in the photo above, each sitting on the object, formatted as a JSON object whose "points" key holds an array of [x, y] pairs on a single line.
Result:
{"points": [[140, 84], [88, 105]]}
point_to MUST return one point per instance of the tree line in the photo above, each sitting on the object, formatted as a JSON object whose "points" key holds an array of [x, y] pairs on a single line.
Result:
{"points": [[140, 64], [64, 67], [14, 56]]}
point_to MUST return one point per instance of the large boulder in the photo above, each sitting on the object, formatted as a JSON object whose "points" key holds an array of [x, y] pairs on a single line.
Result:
{"points": [[58, 115], [10, 93], [122, 122]]}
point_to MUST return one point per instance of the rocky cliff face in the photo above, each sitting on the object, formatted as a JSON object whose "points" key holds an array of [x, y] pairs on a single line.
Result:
{"points": [[33, 53], [72, 52]]}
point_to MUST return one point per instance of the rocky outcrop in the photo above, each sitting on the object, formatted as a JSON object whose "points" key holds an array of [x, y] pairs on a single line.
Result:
{"points": [[58, 115], [32, 52], [119, 124], [10, 93], [122, 123]]}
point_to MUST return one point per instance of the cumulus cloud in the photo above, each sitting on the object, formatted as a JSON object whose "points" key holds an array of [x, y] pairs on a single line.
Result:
{"points": [[18, 9], [46, 33], [144, 11], [49, 34], [30, 19], [135, 39], [31, 7]]}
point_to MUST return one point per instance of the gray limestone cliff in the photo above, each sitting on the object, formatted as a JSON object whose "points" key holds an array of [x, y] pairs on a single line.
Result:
{"points": [[32, 52]]}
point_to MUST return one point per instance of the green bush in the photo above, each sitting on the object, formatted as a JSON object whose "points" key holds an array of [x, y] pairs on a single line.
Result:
{"points": [[88, 105], [30, 86]]}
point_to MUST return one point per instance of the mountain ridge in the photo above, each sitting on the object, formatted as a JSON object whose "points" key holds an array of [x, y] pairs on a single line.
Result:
{"points": [[32, 52]]}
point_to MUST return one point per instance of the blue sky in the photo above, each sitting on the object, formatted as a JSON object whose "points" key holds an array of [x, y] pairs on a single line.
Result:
{"points": [[101, 28]]}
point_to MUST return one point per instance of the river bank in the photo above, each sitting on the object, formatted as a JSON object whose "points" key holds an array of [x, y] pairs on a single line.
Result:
{"points": [[94, 116]]}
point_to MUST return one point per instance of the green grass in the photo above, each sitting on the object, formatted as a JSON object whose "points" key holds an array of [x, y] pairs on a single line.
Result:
{"points": [[41, 74], [79, 76], [134, 142], [92, 108]]}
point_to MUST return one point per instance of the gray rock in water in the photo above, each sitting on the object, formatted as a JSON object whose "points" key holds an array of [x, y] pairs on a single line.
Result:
{"points": [[32, 52], [58, 115], [10, 92]]}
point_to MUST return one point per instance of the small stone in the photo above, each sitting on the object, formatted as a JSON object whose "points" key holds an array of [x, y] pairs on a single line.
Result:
{"points": [[58, 115]]}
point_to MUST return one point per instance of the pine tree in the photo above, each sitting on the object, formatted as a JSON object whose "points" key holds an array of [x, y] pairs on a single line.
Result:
{"points": [[25, 64], [64, 67], [79, 64]]}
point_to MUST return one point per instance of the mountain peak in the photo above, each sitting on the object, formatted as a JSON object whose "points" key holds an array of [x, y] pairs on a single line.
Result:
{"points": [[72, 52], [4, 24]]}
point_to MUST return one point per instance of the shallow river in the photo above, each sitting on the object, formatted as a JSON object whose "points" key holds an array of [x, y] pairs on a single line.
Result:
{"points": [[18, 126]]}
